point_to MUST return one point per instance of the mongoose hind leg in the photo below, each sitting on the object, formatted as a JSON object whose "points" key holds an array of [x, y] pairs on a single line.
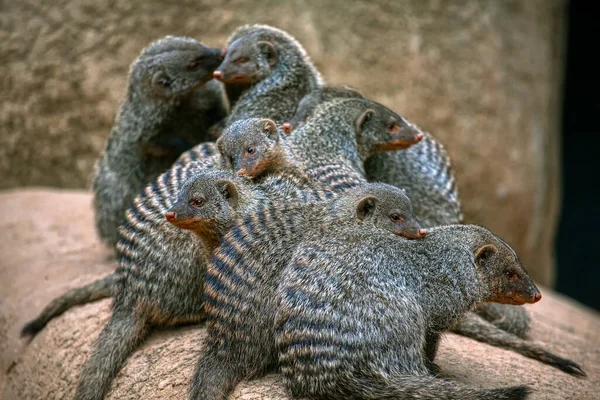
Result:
{"points": [[120, 337]]}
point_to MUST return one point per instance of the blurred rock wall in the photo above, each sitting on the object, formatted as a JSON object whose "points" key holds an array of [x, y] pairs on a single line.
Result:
{"points": [[483, 76]]}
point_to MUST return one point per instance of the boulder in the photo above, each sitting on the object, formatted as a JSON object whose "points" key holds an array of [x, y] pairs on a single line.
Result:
{"points": [[48, 245], [482, 76]]}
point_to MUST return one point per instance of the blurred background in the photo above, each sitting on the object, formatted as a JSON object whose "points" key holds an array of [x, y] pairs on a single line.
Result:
{"points": [[509, 87]]}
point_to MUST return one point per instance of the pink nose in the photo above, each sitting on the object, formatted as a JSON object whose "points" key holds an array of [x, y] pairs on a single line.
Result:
{"points": [[170, 216], [422, 232], [537, 297], [419, 137], [217, 74], [287, 127]]}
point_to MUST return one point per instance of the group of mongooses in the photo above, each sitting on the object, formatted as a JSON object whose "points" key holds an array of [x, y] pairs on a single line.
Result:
{"points": [[320, 235]]}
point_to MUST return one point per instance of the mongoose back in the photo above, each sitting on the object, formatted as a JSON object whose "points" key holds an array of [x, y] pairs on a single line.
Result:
{"points": [[170, 104], [276, 68], [361, 309], [243, 275], [321, 95], [425, 171]]}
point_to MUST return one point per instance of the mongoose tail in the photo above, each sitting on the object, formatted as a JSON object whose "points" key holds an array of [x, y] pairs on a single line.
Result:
{"points": [[423, 388], [96, 290], [475, 327], [119, 338]]}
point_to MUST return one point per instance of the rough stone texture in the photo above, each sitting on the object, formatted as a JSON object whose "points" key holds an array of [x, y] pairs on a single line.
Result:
{"points": [[47, 246], [483, 76]]}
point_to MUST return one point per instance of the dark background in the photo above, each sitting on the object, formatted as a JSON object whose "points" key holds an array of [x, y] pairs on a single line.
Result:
{"points": [[578, 242]]}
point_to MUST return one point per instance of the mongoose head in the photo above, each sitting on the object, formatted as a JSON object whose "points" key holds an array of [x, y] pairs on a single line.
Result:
{"points": [[384, 206], [506, 280], [207, 204], [380, 129], [174, 66], [310, 101], [247, 61], [251, 147]]}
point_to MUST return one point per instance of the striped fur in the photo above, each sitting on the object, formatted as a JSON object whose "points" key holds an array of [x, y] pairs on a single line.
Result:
{"points": [[243, 275], [160, 277], [359, 307]]}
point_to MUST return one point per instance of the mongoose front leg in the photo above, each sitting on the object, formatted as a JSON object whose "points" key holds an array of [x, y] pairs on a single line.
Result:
{"points": [[216, 375]]}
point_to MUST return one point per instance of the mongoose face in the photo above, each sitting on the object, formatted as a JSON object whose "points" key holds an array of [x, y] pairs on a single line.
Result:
{"points": [[206, 204], [388, 208], [247, 61], [508, 281], [177, 65], [250, 147], [309, 102]]}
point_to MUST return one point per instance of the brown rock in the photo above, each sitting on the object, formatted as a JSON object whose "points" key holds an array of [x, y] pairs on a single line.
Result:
{"points": [[483, 76], [48, 246]]}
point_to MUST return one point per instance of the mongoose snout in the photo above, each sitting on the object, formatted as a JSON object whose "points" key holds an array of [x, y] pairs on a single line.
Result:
{"points": [[171, 216]]}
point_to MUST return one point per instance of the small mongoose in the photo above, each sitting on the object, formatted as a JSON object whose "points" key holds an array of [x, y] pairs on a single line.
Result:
{"points": [[276, 68], [361, 311], [425, 170], [170, 104], [255, 147], [243, 274]]}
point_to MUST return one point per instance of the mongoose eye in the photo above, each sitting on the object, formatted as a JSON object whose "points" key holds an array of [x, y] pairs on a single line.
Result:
{"points": [[393, 127], [194, 65], [510, 275], [396, 218], [241, 61], [197, 203], [250, 150]]}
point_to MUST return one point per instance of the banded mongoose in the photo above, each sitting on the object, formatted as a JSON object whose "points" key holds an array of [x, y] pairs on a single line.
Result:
{"points": [[161, 267], [255, 147], [276, 67], [347, 132], [425, 170], [361, 310], [243, 274], [170, 104]]}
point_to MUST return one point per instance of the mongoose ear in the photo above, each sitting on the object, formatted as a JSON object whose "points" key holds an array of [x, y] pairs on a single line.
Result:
{"points": [[270, 129], [229, 192], [268, 49], [365, 207], [363, 120], [161, 82], [484, 253]]}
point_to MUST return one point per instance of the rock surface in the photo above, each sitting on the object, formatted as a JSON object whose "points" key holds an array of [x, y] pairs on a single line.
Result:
{"points": [[48, 245], [483, 76]]}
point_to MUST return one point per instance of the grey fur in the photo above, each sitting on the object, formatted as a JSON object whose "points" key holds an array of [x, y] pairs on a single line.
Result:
{"points": [[243, 274], [170, 104], [255, 147], [278, 83], [361, 310], [425, 171]]}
